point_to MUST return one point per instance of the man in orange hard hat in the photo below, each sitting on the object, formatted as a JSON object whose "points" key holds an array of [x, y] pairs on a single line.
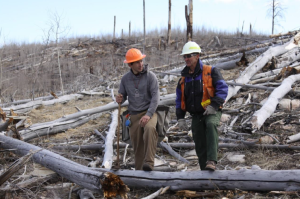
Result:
{"points": [[140, 86]]}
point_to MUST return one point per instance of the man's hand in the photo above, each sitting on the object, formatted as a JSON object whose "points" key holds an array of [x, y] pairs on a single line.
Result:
{"points": [[182, 125], [210, 110], [144, 120], [119, 98]]}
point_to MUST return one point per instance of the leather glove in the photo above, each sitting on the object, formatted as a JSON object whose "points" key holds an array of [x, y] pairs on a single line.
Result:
{"points": [[182, 125], [210, 110]]}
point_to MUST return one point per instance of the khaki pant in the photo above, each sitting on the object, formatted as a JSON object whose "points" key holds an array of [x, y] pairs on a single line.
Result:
{"points": [[143, 140]]}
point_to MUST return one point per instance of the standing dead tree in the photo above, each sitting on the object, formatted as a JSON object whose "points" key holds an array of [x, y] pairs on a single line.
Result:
{"points": [[276, 12], [114, 35], [189, 21], [169, 24], [60, 32], [129, 33]]}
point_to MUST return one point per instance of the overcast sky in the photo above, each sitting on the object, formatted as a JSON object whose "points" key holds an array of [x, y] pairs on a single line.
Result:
{"points": [[25, 20]]}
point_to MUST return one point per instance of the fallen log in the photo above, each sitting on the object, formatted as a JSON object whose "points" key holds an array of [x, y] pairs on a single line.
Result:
{"points": [[76, 119], [16, 166], [256, 86], [90, 178], [228, 52], [108, 156], [85, 193], [272, 72], [4, 126], [285, 34], [26, 100], [27, 107], [94, 180], [24, 108], [260, 116], [43, 129], [256, 66], [294, 138], [34, 181], [243, 145], [172, 152]]}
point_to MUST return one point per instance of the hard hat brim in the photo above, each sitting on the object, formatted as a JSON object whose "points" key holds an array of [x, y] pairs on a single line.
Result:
{"points": [[134, 60]]}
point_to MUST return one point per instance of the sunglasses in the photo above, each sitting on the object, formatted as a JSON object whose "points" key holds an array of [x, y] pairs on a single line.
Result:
{"points": [[188, 56]]}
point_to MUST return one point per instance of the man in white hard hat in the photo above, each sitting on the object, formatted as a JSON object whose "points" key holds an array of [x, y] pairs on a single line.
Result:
{"points": [[201, 91]]}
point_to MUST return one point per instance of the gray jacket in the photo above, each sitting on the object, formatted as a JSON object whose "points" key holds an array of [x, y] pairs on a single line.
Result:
{"points": [[142, 92]]}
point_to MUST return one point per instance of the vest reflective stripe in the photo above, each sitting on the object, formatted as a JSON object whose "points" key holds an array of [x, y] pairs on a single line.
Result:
{"points": [[208, 88]]}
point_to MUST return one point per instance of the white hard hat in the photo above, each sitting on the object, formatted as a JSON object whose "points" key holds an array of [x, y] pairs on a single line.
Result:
{"points": [[190, 47]]}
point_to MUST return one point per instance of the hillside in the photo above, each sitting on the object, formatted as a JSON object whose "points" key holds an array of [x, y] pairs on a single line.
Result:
{"points": [[97, 65]]}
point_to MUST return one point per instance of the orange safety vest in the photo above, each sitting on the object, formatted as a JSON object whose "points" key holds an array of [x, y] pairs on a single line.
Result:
{"points": [[208, 88]]}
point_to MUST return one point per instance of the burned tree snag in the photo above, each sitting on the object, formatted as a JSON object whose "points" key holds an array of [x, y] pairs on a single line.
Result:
{"points": [[169, 24], [114, 35], [189, 21], [129, 29]]}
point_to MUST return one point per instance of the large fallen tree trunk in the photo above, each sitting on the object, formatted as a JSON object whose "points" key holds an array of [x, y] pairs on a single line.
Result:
{"points": [[259, 180], [94, 180], [244, 145], [256, 66], [42, 129], [24, 108], [272, 73], [260, 116], [228, 52], [28, 100]]}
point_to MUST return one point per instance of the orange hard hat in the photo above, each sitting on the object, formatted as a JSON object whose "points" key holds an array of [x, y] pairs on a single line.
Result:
{"points": [[133, 55]]}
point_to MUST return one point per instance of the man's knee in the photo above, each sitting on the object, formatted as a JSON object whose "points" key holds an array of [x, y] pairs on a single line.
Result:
{"points": [[149, 128], [211, 124]]}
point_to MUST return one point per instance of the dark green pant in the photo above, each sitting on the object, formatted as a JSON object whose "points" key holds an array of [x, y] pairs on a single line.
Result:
{"points": [[205, 135]]}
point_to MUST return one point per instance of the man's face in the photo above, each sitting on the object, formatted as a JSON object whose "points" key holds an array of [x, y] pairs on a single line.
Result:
{"points": [[137, 66], [191, 59]]}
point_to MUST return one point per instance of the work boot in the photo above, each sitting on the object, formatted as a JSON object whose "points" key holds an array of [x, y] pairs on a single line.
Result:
{"points": [[147, 167], [210, 165]]}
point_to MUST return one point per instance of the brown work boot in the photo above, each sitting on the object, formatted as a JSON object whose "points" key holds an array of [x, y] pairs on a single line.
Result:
{"points": [[147, 167], [210, 165]]}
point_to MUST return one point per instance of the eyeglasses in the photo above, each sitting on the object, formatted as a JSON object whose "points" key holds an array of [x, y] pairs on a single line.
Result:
{"points": [[188, 56]]}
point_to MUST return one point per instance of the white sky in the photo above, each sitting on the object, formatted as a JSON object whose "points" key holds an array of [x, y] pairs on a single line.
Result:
{"points": [[24, 20]]}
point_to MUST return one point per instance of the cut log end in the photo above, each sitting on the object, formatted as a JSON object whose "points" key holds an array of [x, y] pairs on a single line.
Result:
{"points": [[112, 185]]}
